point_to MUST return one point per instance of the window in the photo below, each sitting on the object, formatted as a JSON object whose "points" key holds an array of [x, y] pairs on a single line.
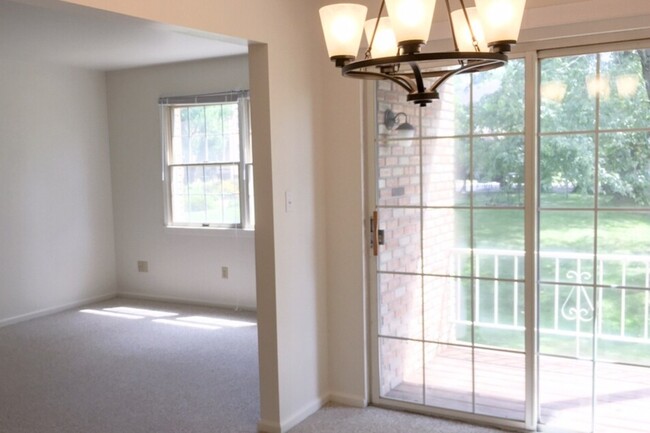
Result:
{"points": [[208, 165]]}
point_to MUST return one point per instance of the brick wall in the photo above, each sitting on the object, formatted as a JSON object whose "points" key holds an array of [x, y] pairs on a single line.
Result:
{"points": [[411, 175]]}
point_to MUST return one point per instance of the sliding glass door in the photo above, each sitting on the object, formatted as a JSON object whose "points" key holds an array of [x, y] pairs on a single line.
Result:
{"points": [[474, 239], [594, 242]]}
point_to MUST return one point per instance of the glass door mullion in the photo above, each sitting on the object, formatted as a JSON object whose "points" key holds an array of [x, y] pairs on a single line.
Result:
{"points": [[531, 205]]}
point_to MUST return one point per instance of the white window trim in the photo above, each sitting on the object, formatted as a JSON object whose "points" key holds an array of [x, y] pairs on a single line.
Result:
{"points": [[165, 104]]}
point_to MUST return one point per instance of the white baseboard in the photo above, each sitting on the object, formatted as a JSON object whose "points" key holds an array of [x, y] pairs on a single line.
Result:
{"points": [[292, 421], [53, 310], [348, 400], [181, 300]]}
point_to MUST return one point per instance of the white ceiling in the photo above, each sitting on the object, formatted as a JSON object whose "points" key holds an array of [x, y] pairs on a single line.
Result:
{"points": [[62, 33]]}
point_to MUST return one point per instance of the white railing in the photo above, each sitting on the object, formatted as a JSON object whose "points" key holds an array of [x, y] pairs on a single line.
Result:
{"points": [[569, 278]]}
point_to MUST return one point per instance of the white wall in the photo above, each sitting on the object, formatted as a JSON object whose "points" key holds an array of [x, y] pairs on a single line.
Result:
{"points": [[56, 219], [183, 264], [291, 265]]}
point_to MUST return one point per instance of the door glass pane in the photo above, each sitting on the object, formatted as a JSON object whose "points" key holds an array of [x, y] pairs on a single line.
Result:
{"points": [[561, 405], [623, 333], [447, 310], [446, 242], [500, 383], [622, 398], [624, 72], [401, 370], [567, 171], [624, 169], [446, 176], [498, 99], [501, 229], [565, 101], [400, 303], [451, 116], [398, 168], [498, 171], [448, 378], [566, 320], [623, 253], [402, 233], [566, 243]]}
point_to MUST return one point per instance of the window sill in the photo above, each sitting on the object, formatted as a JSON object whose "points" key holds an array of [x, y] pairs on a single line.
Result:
{"points": [[211, 231]]}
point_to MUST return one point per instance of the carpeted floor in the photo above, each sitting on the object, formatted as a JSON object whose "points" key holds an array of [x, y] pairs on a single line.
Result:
{"points": [[88, 372], [341, 419], [128, 366]]}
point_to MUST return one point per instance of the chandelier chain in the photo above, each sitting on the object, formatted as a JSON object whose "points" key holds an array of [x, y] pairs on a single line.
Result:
{"points": [[469, 26], [374, 32]]}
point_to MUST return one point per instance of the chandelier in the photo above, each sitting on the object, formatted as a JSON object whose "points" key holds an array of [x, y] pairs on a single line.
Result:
{"points": [[482, 36]]}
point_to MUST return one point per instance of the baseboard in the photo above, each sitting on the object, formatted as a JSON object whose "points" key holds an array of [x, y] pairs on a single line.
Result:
{"points": [[54, 310], [292, 421], [306, 411], [180, 300], [348, 400]]}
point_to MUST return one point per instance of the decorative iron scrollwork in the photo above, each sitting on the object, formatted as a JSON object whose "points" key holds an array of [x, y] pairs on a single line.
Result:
{"points": [[578, 305]]}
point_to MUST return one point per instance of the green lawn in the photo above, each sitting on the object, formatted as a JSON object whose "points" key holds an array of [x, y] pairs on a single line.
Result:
{"points": [[564, 229]]}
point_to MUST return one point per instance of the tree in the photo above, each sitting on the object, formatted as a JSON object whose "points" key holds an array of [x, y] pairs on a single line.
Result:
{"points": [[594, 93]]}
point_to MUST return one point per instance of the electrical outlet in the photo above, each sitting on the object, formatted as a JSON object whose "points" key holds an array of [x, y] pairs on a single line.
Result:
{"points": [[143, 266], [224, 272]]}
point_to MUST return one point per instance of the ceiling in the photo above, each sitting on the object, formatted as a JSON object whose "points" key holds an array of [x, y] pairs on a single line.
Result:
{"points": [[62, 33]]}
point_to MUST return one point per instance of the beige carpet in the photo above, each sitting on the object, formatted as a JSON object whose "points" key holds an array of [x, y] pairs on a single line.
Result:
{"points": [[126, 366], [341, 419]]}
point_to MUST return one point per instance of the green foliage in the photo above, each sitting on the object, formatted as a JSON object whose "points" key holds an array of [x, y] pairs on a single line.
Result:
{"points": [[207, 133], [575, 122]]}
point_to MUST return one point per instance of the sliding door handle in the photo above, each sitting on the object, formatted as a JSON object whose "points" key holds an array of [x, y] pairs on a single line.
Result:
{"points": [[377, 234]]}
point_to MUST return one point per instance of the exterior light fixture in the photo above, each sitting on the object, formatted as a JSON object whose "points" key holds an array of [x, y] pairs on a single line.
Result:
{"points": [[403, 130], [482, 36]]}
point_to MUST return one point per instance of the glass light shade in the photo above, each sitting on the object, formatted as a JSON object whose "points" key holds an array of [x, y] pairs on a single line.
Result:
{"points": [[501, 19], [627, 85], [343, 26], [406, 132], [598, 85], [385, 44], [462, 32], [411, 19]]}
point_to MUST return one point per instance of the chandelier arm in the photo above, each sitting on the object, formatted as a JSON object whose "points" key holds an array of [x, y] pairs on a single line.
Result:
{"points": [[470, 57], [400, 80], [374, 32], [466, 68], [417, 73]]}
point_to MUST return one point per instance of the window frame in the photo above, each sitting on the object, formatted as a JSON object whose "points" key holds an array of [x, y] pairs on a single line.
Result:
{"points": [[244, 165]]}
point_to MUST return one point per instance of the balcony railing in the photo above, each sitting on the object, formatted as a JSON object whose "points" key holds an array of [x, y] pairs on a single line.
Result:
{"points": [[617, 310]]}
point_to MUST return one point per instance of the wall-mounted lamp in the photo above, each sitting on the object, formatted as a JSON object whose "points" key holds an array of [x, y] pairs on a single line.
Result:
{"points": [[403, 130]]}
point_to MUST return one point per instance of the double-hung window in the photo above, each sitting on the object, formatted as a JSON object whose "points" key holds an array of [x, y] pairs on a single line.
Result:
{"points": [[208, 165]]}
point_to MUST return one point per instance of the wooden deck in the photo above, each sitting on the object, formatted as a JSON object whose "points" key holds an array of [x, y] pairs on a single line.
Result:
{"points": [[622, 402]]}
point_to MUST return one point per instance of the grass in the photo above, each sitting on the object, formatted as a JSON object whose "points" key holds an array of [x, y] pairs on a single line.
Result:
{"points": [[565, 229]]}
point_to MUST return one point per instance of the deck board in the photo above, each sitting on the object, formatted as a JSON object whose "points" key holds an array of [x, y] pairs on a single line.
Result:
{"points": [[622, 403]]}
